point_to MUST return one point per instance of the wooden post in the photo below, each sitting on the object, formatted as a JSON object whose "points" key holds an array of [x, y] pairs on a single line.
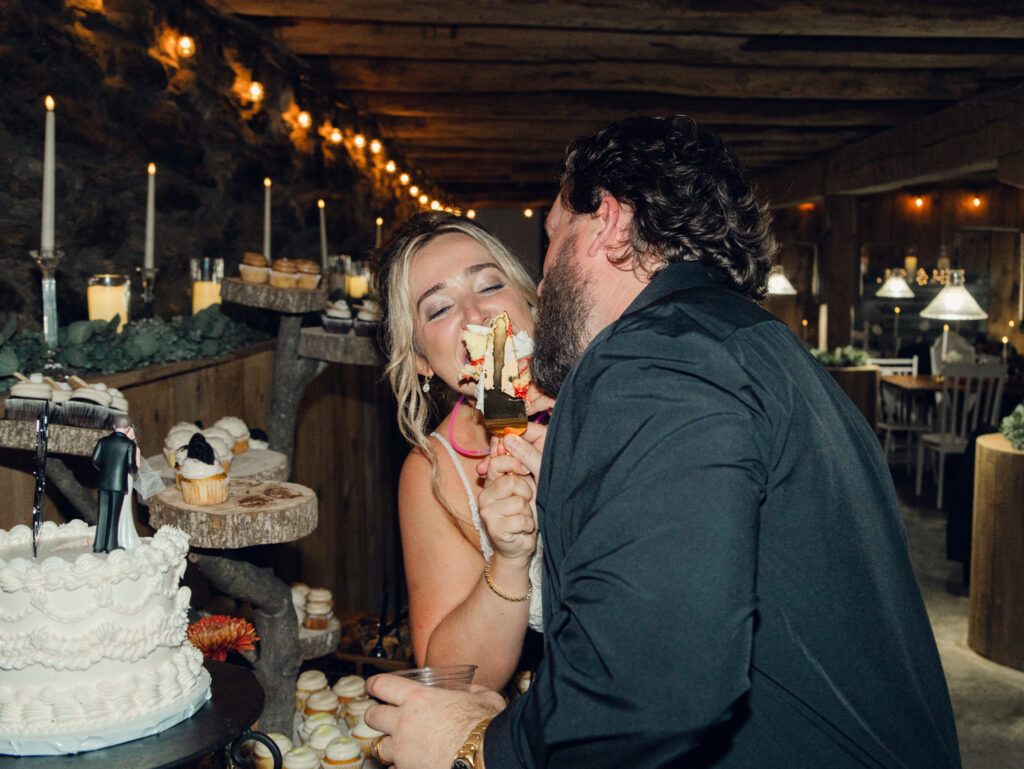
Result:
{"points": [[840, 266]]}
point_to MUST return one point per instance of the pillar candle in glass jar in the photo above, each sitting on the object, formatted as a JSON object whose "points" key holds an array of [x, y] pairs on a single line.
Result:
{"points": [[207, 275], [107, 296]]}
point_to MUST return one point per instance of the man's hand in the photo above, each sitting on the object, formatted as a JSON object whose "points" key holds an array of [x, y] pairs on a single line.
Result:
{"points": [[426, 725]]}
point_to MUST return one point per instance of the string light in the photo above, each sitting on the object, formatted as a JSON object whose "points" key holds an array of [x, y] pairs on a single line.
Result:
{"points": [[256, 91], [359, 140], [528, 213], [435, 205], [976, 202], [390, 167], [423, 199], [414, 190], [305, 119], [186, 46], [919, 202], [375, 146], [336, 136], [404, 179], [471, 214]]}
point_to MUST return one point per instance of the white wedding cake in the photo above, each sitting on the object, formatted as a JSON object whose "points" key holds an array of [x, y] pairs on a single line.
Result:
{"points": [[93, 646]]}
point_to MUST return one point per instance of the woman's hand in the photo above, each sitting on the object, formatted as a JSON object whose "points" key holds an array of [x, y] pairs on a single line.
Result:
{"points": [[507, 502]]}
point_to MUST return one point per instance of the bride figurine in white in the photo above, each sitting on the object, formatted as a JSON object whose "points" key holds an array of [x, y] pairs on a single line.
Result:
{"points": [[147, 482]]}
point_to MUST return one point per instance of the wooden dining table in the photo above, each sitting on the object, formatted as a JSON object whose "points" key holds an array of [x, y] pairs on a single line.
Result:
{"points": [[929, 383]]}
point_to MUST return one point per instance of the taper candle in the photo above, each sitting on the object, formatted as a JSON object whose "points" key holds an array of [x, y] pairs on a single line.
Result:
{"points": [[945, 339], [1006, 341], [147, 259], [323, 235], [823, 326], [49, 176], [266, 218], [380, 223]]}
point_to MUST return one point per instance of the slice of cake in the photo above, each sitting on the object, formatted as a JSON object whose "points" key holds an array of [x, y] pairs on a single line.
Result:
{"points": [[479, 341]]}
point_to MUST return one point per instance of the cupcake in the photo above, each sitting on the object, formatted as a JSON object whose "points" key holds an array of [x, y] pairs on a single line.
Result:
{"points": [[87, 406], [365, 734], [321, 701], [179, 436], [300, 758], [261, 753], [284, 274], [309, 681], [28, 399], [322, 736], [320, 595], [309, 273], [253, 268], [238, 431], [220, 432], [349, 688], [318, 615], [202, 478], [354, 710], [310, 724], [366, 319], [118, 403], [343, 753], [258, 440], [337, 316], [59, 396]]}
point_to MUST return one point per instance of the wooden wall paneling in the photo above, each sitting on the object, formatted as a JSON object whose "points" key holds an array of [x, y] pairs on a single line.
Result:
{"points": [[840, 260]]}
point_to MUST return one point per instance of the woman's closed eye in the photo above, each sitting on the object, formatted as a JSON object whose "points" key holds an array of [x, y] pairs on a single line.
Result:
{"points": [[437, 312]]}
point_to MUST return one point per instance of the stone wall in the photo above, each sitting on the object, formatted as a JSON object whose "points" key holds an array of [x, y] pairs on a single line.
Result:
{"points": [[125, 99]]}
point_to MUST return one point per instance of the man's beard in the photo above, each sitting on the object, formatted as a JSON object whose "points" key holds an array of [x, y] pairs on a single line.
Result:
{"points": [[560, 336]]}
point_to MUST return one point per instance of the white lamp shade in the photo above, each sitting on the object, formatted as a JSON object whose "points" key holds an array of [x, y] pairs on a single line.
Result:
{"points": [[954, 302], [895, 287], [778, 283]]}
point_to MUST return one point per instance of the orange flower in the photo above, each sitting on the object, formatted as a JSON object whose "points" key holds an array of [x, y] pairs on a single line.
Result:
{"points": [[217, 635]]}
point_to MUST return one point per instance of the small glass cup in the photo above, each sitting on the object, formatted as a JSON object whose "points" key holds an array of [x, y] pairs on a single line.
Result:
{"points": [[207, 274], [445, 676], [107, 296]]}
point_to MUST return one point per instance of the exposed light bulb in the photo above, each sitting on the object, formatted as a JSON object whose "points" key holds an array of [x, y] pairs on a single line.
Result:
{"points": [[390, 167], [471, 214], [424, 199], [528, 213], [336, 136], [919, 202], [435, 205], [256, 91], [976, 202], [414, 190], [404, 179], [305, 119], [186, 46], [359, 140], [375, 146]]}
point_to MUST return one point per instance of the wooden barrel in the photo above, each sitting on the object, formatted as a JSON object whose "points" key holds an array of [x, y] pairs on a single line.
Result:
{"points": [[996, 620]]}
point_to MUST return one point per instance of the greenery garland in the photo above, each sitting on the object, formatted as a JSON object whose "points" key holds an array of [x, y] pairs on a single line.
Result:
{"points": [[1012, 427], [96, 345]]}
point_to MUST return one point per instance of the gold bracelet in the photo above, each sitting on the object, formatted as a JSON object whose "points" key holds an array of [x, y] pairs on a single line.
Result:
{"points": [[490, 584]]}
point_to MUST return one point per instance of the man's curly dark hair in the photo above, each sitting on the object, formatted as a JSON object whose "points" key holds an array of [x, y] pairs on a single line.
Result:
{"points": [[690, 197]]}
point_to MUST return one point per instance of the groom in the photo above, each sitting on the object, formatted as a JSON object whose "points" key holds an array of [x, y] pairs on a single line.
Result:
{"points": [[116, 457]]}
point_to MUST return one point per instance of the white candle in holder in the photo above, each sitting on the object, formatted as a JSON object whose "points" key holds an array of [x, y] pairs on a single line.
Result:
{"points": [[49, 176], [147, 259], [266, 218], [323, 235]]}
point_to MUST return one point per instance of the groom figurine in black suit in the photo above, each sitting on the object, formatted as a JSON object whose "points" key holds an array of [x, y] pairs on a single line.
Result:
{"points": [[115, 456]]}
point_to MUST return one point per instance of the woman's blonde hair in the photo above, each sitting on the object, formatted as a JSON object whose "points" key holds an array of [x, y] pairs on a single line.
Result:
{"points": [[391, 291]]}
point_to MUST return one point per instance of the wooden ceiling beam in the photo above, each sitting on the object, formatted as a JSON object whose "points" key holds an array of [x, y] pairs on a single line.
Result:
{"points": [[561, 105], [475, 43], [909, 18], [360, 74]]}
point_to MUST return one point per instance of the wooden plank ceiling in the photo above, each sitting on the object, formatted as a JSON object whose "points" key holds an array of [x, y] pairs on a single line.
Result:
{"points": [[483, 96]]}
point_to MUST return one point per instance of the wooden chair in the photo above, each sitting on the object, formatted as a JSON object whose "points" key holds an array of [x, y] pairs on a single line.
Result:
{"points": [[900, 416], [972, 394]]}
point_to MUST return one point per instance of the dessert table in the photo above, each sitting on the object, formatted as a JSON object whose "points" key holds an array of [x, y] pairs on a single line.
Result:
{"points": [[236, 702]]}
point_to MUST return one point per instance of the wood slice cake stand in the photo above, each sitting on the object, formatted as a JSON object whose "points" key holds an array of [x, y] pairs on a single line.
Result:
{"points": [[252, 465], [255, 513], [317, 643], [350, 348], [290, 300], [62, 439]]}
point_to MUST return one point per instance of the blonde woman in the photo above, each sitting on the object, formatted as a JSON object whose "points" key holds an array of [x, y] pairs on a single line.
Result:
{"points": [[473, 575]]}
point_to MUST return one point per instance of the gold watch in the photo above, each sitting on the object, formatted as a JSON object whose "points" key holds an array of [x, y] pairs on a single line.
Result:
{"points": [[466, 758]]}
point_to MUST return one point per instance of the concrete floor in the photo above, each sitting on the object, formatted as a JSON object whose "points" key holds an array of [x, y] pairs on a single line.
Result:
{"points": [[988, 699]]}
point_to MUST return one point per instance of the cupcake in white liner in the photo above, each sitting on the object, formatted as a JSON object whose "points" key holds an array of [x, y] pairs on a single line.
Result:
{"points": [[87, 407], [261, 753], [365, 734], [221, 450], [220, 432], [302, 757], [310, 723], [238, 431], [178, 436], [309, 681], [322, 701], [349, 688], [318, 615], [201, 477], [322, 736], [258, 440], [343, 753], [354, 710]]}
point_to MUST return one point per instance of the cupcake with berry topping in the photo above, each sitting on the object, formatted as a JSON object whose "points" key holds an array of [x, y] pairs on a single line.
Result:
{"points": [[203, 480], [258, 440], [178, 436], [238, 431]]}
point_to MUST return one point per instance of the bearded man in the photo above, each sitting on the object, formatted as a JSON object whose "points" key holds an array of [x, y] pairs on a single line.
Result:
{"points": [[726, 577]]}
